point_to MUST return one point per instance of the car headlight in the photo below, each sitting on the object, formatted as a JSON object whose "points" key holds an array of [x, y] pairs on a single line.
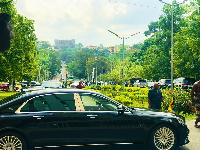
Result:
{"points": [[181, 121]]}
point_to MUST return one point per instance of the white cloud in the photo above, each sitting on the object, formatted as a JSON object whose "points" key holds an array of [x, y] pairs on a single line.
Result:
{"points": [[87, 21]]}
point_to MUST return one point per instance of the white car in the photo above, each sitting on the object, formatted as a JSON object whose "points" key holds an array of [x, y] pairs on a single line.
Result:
{"points": [[73, 85], [164, 83], [140, 83]]}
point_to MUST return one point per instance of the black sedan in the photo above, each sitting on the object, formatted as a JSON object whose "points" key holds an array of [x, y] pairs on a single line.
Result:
{"points": [[71, 117]]}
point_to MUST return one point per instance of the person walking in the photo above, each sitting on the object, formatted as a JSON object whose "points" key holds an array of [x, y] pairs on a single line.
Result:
{"points": [[155, 97], [195, 96]]}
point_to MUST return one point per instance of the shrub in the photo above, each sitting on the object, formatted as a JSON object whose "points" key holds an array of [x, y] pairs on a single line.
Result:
{"points": [[138, 97]]}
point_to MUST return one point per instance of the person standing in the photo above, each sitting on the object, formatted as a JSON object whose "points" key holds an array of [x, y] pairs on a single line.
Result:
{"points": [[155, 97], [195, 96]]}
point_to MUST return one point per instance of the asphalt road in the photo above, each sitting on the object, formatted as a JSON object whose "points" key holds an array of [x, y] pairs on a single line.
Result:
{"points": [[194, 137]]}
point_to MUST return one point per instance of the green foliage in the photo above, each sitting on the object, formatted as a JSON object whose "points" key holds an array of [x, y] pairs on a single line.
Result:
{"points": [[186, 48], [43, 45], [49, 64], [19, 62], [6, 94], [138, 97], [77, 67]]}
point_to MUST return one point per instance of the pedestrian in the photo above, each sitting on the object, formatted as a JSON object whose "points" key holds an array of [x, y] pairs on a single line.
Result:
{"points": [[195, 96], [155, 97], [80, 86]]}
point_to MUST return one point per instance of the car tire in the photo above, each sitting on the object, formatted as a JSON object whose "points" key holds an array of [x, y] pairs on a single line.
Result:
{"points": [[2, 89], [160, 141], [11, 140]]}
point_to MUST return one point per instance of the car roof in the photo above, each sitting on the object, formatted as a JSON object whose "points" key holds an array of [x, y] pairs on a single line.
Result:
{"points": [[21, 96]]}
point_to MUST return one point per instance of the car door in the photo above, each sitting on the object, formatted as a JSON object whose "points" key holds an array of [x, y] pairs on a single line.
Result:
{"points": [[54, 120], [104, 124]]}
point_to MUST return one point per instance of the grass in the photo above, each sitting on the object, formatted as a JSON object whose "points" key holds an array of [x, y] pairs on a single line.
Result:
{"points": [[4, 94], [189, 116]]}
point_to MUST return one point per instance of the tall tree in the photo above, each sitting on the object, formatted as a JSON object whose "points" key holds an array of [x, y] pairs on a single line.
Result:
{"points": [[77, 66], [158, 48], [187, 47], [19, 62]]}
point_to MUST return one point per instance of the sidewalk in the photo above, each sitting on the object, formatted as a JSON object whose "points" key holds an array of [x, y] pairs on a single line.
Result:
{"points": [[194, 137]]}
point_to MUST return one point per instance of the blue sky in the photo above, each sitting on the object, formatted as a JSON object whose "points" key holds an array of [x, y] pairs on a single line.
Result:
{"points": [[88, 21]]}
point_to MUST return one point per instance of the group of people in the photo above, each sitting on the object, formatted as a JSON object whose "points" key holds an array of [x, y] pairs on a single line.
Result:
{"points": [[155, 98]]}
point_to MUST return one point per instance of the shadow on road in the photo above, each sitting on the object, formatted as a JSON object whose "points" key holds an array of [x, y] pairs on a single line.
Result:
{"points": [[111, 147]]}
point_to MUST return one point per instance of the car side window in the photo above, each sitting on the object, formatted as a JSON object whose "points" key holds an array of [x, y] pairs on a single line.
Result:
{"points": [[11, 109], [97, 103], [51, 102]]}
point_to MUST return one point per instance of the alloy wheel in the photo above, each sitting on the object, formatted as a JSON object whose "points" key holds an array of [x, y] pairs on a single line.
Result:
{"points": [[10, 143], [164, 138]]}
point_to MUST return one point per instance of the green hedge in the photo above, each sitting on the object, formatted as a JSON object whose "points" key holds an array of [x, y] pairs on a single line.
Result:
{"points": [[138, 97]]}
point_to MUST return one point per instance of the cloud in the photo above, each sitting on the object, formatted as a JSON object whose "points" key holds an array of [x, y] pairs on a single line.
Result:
{"points": [[87, 21]]}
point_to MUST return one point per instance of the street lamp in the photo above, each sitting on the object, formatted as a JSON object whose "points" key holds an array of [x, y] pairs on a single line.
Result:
{"points": [[123, 49], [172, 38]]}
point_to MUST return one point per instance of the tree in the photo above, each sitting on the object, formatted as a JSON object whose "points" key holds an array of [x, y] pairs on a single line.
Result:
{"points": [[97, 62], [187, 48], [43, 45], [49, 64], [77, 66], [158, 47], [19, 62]]}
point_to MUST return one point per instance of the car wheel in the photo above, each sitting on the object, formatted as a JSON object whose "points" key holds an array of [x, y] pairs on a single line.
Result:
{"points": [[12, 141], [2, 89], [163, 137]]}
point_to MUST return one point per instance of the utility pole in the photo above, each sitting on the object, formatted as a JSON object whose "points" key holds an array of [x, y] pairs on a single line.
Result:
{"points": [[123, 49], [172, 38]]}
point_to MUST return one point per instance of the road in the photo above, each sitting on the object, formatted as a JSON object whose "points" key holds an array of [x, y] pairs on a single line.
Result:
{"points": [[194, 144], [194, 137]]}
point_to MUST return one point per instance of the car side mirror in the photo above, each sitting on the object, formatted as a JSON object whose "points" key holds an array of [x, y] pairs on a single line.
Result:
{"points": [[120, 110]]}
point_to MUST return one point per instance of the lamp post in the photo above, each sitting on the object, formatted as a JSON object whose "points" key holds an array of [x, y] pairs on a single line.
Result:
{"points": [[123, 49], [172, 38]]}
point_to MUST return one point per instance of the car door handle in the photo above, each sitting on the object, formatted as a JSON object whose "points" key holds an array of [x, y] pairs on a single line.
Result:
{"points": [[38, 117], [92, 116]]}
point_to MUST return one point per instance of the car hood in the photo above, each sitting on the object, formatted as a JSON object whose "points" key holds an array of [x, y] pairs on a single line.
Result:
{"points": [[154, 113]]}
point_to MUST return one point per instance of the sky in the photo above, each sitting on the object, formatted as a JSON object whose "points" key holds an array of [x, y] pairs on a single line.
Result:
{"points": [[88, 21]]}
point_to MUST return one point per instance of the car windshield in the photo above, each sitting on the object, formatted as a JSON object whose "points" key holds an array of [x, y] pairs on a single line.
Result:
{"points": [[167, 81], [142, 81]]}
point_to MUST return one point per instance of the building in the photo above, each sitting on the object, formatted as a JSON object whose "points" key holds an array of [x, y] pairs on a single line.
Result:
{"points": [[114, 49], [64, 43]]}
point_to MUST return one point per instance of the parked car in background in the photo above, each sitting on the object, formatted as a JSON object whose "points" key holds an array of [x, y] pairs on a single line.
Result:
{"points": [[34, 83], [25, 84], [73, 117], [73, 85], [185, 83], [52, 84], [140, 83], [164, 83], [150, 84], [5, 87]]}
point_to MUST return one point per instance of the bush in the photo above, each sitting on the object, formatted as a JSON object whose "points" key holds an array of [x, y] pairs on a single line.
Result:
{"points": [[138, 97]]}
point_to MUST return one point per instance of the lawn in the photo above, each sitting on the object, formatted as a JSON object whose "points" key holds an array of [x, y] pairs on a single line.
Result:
{"points": [[4, 94]]}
